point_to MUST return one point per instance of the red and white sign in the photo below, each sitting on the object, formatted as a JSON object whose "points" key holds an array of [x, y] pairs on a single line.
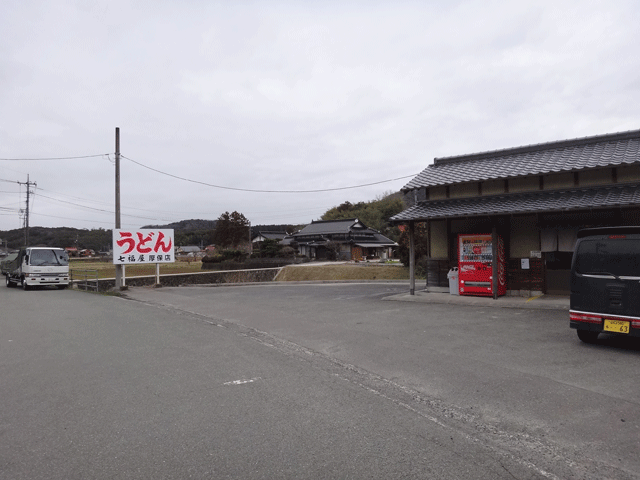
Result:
{"points": [[142, 246]]}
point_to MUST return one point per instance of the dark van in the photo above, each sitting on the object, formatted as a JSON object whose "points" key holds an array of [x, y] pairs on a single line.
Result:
{"points": [[605, 282]]}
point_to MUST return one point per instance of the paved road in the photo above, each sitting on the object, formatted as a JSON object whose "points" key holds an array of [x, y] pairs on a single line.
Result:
{"points": [[302, 381]]}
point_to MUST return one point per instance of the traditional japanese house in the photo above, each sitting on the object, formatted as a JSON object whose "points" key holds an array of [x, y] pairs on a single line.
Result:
{"points": [[261, 236], [354, 240], [534, 197]]}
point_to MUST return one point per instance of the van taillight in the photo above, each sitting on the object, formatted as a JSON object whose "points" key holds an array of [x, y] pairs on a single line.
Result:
{"points": [[616, 237], [582, 317]]}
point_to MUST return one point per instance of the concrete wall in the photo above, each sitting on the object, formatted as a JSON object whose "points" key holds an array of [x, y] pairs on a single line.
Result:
{"points": [[595, 177], [218, 277], [524, 184], [558, 180], [492, 187], [437, 193], [464, 190], [628, 173], [524, 236], [439, 244]]}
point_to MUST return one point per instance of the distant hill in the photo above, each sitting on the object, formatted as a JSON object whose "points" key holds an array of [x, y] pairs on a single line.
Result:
{"points": [[273, 228], [187, 232], [96, 239], [187, 225]]}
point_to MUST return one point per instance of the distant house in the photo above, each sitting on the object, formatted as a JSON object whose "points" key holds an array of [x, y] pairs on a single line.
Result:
{"points": [[262, 236], [354, 239], [187, 250]]}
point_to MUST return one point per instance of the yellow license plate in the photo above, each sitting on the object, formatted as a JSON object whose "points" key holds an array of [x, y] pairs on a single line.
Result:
{"points": [[617, 326]]}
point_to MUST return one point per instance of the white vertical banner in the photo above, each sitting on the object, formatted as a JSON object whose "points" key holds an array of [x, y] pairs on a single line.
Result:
{"points": [[143, 246]]}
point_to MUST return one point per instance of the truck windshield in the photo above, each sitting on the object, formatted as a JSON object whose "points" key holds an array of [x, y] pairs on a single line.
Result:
{"points": [[617, 257], [52, 257]]}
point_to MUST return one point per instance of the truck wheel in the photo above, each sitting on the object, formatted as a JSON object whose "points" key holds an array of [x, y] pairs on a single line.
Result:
{"points": [[588, 336], [9, 282], [25, 287], [61, 287]]}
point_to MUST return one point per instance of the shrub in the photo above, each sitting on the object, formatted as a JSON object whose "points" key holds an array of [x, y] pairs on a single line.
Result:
{"points": [[286, 252], [333, 249]]}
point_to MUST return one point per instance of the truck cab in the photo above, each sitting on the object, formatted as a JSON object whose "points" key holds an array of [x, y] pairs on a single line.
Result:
{"points": [[35, 266]]}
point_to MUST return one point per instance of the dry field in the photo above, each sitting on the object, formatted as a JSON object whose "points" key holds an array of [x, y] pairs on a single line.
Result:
{"points": [[357, 271], [78, 268], [308, 272]]}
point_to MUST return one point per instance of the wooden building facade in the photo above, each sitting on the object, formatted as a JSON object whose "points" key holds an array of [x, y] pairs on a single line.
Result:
{"points": [[534, 197]]}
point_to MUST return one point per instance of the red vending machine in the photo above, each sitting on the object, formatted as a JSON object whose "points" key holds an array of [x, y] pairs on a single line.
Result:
{"points": [[475, 265]]}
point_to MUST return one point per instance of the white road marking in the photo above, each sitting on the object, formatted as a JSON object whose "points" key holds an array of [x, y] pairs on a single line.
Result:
{"points": [[241, 382]]}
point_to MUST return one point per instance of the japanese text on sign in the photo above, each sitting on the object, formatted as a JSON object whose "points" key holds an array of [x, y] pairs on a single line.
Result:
{"points": [[142, 246]]}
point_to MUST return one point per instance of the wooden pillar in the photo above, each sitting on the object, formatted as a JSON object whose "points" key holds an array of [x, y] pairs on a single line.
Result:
{"points": [[412, 258], [494, 262]]}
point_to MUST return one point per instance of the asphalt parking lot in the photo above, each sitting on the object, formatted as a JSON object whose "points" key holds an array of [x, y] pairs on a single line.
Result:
{"points": [[511, 366], [309, 381]]}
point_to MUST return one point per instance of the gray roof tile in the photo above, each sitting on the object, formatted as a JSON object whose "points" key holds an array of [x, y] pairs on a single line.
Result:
{"points": [[530, 202], [327, 227], [554, 157]]}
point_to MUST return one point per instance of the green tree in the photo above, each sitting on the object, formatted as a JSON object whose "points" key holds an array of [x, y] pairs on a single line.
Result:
{"points": [[420, 241], [270, 248], [374, 214], [231, 230]]}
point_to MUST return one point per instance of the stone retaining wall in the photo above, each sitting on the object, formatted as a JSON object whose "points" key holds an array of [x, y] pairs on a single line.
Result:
{"points": [[200, 278]]}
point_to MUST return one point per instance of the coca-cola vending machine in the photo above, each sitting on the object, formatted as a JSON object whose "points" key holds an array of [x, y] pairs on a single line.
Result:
{"points": [[475, 265]]}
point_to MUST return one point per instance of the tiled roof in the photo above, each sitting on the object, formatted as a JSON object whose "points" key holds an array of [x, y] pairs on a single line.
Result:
{"points": [[272, 235], [562, 156], [328, 227], [321, 232], [530, 202]]}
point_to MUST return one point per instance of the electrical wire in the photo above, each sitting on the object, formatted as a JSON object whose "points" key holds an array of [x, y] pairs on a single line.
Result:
{"points": [[111, 212], [109, 204], [295, 212], [178, 178], [265, 191], [52, 158], [80, 220]]}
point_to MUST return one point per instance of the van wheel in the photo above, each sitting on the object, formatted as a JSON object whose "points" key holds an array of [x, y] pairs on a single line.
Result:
{"points": [[588, 336], [61, 287]]}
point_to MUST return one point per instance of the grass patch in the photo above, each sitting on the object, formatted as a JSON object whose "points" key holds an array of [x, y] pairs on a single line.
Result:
{"points": [[343, 272], [361, 271], [108, 270]]}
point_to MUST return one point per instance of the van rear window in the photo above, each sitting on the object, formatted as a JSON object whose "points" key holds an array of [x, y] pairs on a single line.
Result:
{"points": [[617, 256]]}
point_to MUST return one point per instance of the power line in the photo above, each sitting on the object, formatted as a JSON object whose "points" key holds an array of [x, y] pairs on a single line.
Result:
{"points": [[52, 158], [78, 219], [109, 204], [238, 189], [266, 191], [100, 209]]}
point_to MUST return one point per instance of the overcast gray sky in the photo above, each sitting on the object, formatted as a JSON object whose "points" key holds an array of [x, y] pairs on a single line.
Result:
{"points": [[289, 96]]}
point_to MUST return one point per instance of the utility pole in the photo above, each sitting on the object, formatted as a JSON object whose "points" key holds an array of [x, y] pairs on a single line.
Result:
{"points": [[26, 212], [119, 283]]}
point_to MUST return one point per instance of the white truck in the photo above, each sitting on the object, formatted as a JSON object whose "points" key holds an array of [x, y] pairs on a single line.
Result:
{"points": [[38, 266]]}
